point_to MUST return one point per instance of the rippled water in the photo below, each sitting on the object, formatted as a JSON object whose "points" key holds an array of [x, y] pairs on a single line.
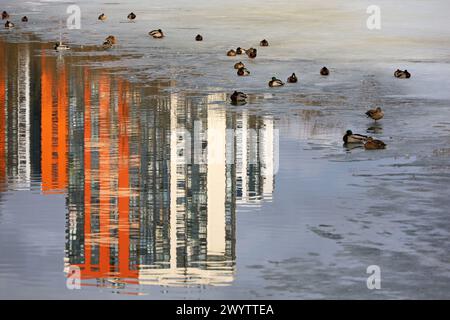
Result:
{"points": [[98, 175]]}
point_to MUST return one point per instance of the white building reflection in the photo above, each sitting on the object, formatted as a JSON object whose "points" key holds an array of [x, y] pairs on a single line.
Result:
{"points": [[23, 177]]}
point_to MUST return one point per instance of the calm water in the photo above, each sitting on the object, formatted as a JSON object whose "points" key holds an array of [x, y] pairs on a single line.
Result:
{"points": [[131, 169]]}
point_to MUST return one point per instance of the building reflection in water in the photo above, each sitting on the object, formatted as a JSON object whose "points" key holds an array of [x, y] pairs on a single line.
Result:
{"points": [[152, 179]]}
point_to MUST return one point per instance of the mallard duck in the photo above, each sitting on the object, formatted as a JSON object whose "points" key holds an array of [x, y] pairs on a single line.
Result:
{"points": [[239, 65], [131, 16], [243, 72], [251, 53], [199, 37], [375, 114], [231, 53], [239, 50], [275, 82], [107, 45], [238, 96], [25, 19], [9, 25], [157, 34], [111, 39], [59, 46], [292, 78], [402, 74], [351, 137], [264, 43], [102, 17], [324, 71], [373, 144], [5, 15]]}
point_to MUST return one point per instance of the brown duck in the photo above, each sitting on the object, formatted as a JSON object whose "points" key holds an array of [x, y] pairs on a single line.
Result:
{"points": [[375, 114], [324, 71], [264, 43], [373, 144]]}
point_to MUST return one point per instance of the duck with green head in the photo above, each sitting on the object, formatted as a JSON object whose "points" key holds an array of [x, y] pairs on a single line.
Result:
{"points": [[240, 50], [243, 72], [351, 137], [238, 98], [400, 74], [157, 34], [275, 82], [9, 25]]}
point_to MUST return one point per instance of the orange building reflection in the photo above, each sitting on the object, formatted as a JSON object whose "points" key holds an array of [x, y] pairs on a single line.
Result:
{"points": [[106, 179], [54, 126]]}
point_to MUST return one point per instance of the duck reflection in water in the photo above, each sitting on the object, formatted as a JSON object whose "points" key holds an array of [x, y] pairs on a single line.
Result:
{"points": [[376, 128]]}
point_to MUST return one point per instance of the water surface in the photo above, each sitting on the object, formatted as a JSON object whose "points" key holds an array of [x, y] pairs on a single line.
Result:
{"points": [[98, 174]]}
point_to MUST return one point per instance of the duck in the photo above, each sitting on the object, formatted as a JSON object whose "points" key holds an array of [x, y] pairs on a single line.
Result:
{"points": [[107, 45], [131, 16], [102, 17], [59, 46], [324, 71], [351, 137], [373, 144], [243, 72], [238, 97], [264, 43], [199, 37], [111, 39], [239, 50], [24, 19], [292, 78], [231, 53], [9, 24], [251, 53], [402, 74], [375, 114], [157, 34], [239, 65], [275, 82], [5, 15]]}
